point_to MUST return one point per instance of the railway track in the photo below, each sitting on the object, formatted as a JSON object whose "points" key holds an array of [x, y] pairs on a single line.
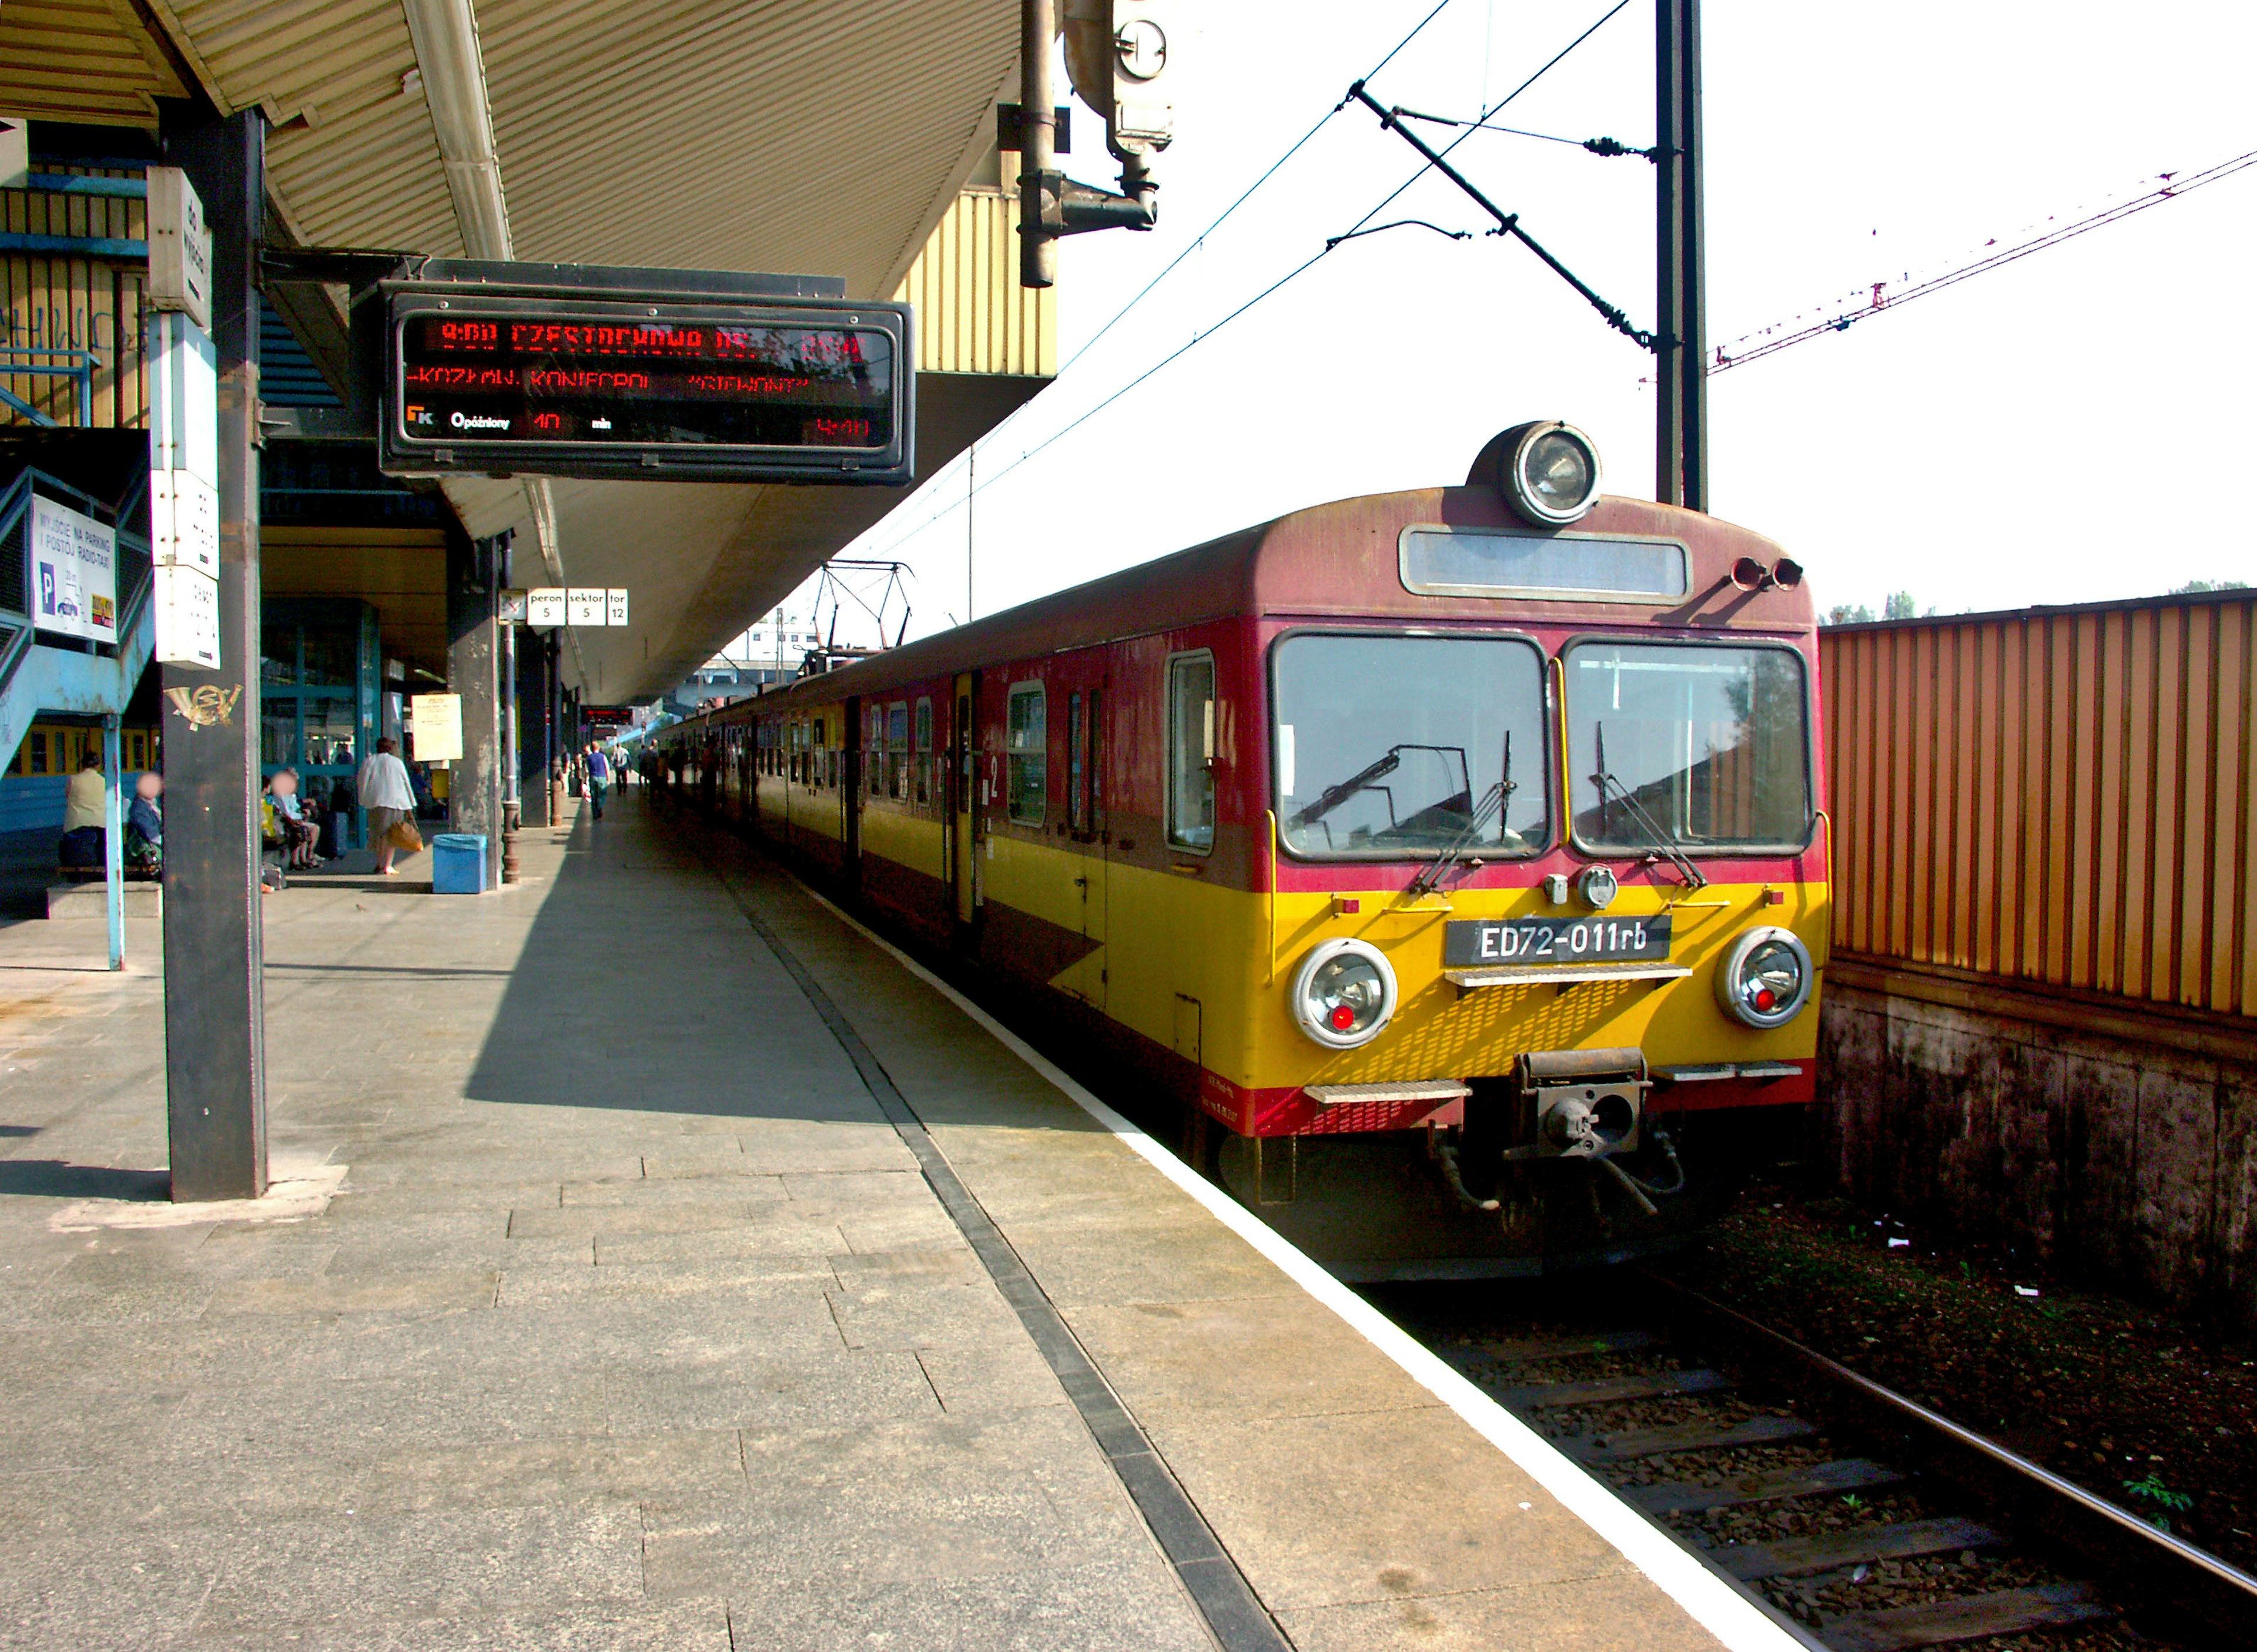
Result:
{"points": [[1862, 1520]]}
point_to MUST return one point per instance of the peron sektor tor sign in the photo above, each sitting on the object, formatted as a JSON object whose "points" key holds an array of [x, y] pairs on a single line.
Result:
{"points": [[570, 371]]}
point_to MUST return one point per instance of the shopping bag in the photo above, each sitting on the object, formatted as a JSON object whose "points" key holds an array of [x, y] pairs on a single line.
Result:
{"points": [[404, 837]]}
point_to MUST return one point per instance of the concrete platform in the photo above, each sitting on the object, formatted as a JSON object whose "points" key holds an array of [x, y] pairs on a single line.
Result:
{"points": [[615, 1299]]}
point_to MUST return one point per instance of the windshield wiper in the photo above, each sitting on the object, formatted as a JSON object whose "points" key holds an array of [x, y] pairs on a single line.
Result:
{"points": [[1665, 841], [1495, 801], [1332, 796]]}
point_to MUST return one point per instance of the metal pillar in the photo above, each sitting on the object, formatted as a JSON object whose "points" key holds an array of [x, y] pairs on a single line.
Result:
{"points": [[533, 726], [215, 1002], [1681, 322], [513, 761], [113, 838], [475, 789], [555, 727], [1038, 158]]}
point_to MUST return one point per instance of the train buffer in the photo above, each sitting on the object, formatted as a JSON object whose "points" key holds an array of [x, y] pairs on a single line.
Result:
{"points": [[654, 1260]]}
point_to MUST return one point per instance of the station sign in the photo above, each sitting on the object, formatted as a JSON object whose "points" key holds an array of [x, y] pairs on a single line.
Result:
{"points": [[186, 617], [548, 606], [607, 717], [656, 382], [179, 247], [434, 727], [73, 573]]}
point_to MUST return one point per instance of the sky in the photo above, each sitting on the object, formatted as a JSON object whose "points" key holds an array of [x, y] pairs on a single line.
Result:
{"points": [[2058, 430]]}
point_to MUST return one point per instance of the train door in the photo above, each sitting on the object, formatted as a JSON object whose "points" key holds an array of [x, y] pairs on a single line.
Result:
{"points": [[1085, 808], [964, 799]]}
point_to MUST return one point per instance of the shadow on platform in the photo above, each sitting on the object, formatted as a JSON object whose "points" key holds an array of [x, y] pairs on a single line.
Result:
{"points": [[53, 1179], [642, 988]]}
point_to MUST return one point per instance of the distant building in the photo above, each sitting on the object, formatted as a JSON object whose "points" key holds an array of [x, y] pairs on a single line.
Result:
{"points": [[770, 652]]}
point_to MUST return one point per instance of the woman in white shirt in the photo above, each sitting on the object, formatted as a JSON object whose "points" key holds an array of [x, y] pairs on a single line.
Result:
{"points": [[387, 796]]}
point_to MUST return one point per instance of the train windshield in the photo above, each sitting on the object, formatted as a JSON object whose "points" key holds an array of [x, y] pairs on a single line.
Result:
{"points": [[1687, 746], [1393, 747]]}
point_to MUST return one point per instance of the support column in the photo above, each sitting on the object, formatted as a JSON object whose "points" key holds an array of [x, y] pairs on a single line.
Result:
{"points": [[473, 662], [513, 761], [557, 734], [1681, 310], [532, 727], [214, 957], [113, 838]]}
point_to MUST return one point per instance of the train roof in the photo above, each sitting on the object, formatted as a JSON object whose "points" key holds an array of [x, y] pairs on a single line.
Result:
{"points": [[1335, 561]]}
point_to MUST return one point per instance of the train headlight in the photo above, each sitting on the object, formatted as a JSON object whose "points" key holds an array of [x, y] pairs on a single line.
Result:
{"points": [[1344, 993], [1551, 473], [1765, 978]]}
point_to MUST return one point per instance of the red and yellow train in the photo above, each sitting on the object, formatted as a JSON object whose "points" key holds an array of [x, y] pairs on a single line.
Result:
{"points": [[1454, 856]]}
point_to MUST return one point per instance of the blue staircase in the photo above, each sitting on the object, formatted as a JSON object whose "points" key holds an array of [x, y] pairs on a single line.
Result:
{"points": [[36, 677]]}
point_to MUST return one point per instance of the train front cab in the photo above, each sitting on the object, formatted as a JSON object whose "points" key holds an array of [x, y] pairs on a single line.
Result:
{"points": [[1536, 902]]}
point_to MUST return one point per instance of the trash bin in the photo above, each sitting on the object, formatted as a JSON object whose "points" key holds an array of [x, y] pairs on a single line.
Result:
{"points": [[459, 864]]}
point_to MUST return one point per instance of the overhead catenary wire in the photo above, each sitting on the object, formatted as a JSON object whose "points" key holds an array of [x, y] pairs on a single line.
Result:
{"points": [[2172, 187], [1607, 146], [1353, 232]]}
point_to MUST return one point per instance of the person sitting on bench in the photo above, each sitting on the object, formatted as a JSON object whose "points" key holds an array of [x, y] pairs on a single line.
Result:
{"points": [[145, 829], [85, 811], [296, 834]]}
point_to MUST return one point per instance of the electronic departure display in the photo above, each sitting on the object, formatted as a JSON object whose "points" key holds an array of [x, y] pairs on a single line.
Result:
{"points": [[657, 386]]}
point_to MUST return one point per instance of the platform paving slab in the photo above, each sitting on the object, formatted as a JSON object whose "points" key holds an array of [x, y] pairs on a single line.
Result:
{"points": [[1355, 1504], [633, 1323], [562, 1363]]}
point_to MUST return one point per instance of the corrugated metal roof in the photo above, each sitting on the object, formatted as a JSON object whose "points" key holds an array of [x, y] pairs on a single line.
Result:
{"points": [[793, 134], [80, 60], [800, 136]]}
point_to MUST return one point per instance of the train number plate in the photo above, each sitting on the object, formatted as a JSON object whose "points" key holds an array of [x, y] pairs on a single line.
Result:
{"points": [[1597, 939]]}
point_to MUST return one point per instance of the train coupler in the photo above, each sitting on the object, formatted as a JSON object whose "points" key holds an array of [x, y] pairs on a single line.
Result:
{"points": [[1583, 1104]]}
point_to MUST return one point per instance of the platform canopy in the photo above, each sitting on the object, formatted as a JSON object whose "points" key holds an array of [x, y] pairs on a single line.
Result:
{"points": [[799, 136]]}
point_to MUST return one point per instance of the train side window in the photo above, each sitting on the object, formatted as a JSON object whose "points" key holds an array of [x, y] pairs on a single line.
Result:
{"points": [[1075, 818], [1026, 768], [965, 755], [38, 742], [922, 761], [897, 742], [1093, 808], [1190, 752], [874, 750]]}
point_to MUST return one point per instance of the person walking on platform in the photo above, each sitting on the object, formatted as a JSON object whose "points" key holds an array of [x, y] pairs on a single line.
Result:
{"points": [[85, 812], [384, 791], [599, 776]]}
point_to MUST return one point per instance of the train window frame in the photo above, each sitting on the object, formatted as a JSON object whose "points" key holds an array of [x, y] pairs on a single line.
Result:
{"points": [[1092, 800], [1543, 593], [1549, 747], [897, 748], [920, 748], [1018, 760], [1074, 771], [1178, 843], [1750, 850]]}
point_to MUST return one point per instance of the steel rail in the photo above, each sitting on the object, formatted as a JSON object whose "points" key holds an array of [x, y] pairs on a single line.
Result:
{"points": [[2161, 1574]]}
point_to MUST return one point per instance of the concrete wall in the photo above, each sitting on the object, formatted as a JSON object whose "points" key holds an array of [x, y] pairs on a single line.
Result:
{"points": [[2119, 1151]]}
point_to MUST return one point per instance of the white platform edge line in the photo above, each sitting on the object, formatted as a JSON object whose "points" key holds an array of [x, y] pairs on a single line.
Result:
{"points": [[1707, 1598]]}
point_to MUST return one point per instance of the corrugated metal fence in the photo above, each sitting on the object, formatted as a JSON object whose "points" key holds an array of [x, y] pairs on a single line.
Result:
{"points": [[2063, 797]]}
